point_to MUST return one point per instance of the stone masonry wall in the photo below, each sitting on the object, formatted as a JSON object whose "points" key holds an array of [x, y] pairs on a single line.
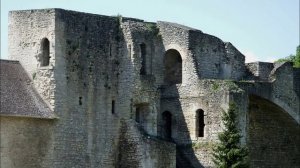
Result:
{"points": [[175, 36], [273, 136], [208, 52], [236, 62], [212, 96], [296, 74], [214, 58], [25, 142], [86, 78], [141, 88], [261, 70], [99, 66], [26, 30], [284, 92], [141, 150], [94, 85]]}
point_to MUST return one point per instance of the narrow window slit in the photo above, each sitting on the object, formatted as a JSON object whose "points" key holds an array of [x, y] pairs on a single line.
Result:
{"points": [[113, 106]]}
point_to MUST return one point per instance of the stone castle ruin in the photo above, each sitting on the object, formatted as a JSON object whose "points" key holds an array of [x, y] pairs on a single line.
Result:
{"points": [[88, 91]]}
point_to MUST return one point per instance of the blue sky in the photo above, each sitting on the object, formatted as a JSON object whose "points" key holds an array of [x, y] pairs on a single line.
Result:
{"points": [[263, 30]]}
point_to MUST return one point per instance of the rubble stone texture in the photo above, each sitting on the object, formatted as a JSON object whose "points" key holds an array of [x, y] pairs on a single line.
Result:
{"points": [[125, 93]]}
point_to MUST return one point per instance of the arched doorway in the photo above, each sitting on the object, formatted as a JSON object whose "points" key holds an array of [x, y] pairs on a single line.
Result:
{"points": [[167, 125], [273, 135], [173, 67]]}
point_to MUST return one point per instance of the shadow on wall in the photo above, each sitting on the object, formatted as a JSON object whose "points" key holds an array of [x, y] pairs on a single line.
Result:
{"points": [[172, 123], [174, 128]]}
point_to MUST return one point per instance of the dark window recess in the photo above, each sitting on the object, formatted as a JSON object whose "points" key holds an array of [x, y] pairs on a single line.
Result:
{"points": [[167, 125], [113, 107], [143, 57], [45, 52], [200, 123], [80, 100], [173, 67], [110, 52], [138, 115]]}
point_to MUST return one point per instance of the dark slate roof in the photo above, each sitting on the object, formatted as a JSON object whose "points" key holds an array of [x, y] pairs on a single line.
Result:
{"points": [[18, 95]]}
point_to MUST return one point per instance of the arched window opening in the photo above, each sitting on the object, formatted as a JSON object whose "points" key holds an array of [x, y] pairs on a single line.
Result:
{"points": [[143, 57], [45, 52], [200, 123], [173, 67], [167, 125]]}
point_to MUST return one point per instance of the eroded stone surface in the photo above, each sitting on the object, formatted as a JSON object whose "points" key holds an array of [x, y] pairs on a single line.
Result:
{"points": [[106, 83]]}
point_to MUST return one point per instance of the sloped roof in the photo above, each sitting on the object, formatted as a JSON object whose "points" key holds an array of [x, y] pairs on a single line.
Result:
{"points": [[18, 95]]}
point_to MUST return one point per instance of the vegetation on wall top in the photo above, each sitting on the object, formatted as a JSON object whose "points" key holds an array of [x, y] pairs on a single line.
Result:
{"points": [[295, 59]]}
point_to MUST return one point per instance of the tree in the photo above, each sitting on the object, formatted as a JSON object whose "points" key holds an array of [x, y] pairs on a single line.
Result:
{"points": [[229, 153], [295, 59]]}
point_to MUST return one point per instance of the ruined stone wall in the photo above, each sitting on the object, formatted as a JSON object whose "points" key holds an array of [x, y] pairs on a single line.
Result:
{"points": [[141, 89], [100, 67], [273, 135], [27, 29], [261, 70], [86, 75], [212, 96], [95, 86], [214, 58], [296, 77], [25, 142], [283, 92], [200, 53], [137, 149], [175, 36], [208, 52], [234, 63], [97, 64], [279, 89]]}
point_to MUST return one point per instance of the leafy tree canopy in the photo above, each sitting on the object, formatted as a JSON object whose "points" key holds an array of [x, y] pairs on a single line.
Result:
{"points": [[295, 59]]}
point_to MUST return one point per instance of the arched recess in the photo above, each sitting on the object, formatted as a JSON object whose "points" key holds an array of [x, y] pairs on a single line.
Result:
{"points": [[45, 52], [172, 67], [143, 70], [167, 125], [273, 135], [200, 123]]}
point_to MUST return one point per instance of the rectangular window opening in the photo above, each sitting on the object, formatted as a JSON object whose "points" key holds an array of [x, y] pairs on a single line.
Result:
{"points": [[113, 106], [137, 115]]}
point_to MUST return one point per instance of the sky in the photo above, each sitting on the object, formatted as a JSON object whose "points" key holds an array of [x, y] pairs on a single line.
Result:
{"points": [[263, 30]]}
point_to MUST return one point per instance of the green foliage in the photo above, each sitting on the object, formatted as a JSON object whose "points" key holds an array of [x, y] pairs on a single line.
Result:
{"points": [[229, 153], [295, 59], [119, 20], [215, 86], [290, 58], [152, 27], [203, 145], [33, 75]]}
